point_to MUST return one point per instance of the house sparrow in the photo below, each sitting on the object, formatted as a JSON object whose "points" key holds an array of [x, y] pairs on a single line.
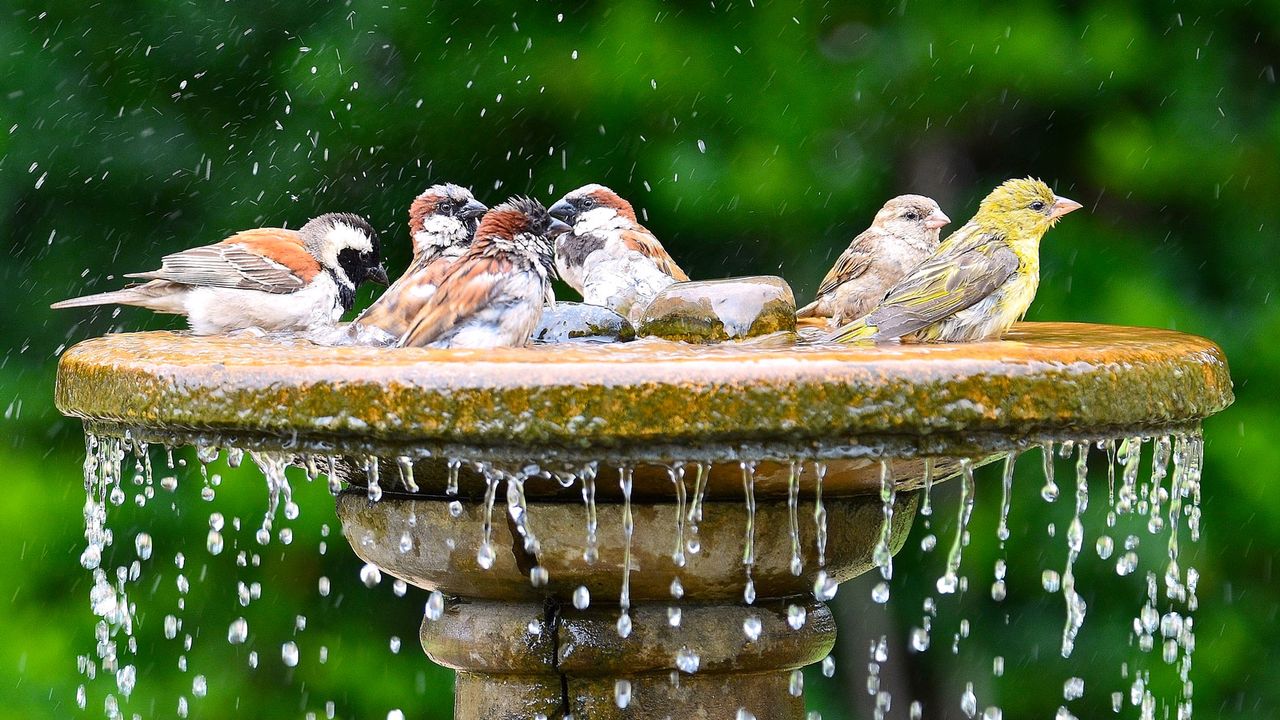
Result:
{"points": [[609, 257], [493, 295], [979, 281], [442, 222], [270, 279], [904, 233]]}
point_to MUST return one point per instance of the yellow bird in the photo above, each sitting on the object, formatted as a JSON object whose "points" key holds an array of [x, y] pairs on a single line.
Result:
{"points": [[981, 279]]}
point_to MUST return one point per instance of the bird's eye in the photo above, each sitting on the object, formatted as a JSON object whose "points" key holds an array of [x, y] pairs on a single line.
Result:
{"points": [[588, 202], [1038, 206], [912, 216]]}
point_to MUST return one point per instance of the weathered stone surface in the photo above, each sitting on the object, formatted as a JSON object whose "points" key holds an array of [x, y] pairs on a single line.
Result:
{"points": [[479, 696], [1044, 378], [443, 552], [710, 311], [589, 644], [578, 322]]}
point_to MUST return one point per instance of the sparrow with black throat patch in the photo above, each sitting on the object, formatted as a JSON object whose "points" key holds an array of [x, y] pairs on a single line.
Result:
{"points": [[442, 223], [609, 257], [493, 295], [269, 279], [904, 233]]}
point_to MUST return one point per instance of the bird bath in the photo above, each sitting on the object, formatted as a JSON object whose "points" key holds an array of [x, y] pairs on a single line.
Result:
{"points": [[651, 529]]}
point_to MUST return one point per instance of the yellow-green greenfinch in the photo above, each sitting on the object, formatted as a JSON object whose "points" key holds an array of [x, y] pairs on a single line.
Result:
{"points": [[903, 234], [981, 279]]}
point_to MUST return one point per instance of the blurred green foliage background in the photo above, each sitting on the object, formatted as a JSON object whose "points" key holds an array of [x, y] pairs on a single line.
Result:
{"points": [[757, 137]]}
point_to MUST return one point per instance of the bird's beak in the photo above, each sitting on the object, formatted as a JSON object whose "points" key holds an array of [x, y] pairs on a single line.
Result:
{"points": [[473, 209], [564, 211], [936, 220], [1062, 206], [557, 228], [379, 275]]}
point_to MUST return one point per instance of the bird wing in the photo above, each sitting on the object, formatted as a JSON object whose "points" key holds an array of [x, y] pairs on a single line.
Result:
{"points": [[395, 310], [644, 242], [852, 263], [960, 274], [270, 260], [467, 286]]}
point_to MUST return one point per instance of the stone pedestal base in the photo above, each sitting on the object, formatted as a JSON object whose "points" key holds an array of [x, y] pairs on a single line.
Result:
{"points": [[525, 651], [525, 661]]}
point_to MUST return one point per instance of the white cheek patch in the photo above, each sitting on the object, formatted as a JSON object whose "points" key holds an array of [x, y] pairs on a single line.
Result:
{"points": [[597, 219]]}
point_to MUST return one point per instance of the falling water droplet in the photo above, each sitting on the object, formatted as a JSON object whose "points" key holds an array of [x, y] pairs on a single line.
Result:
{"points": [[370, 575], [751, 627], [435, 605], [796, 615], [582, 597], [238, 631], [622, 693], [289, 654], [687, 660]]}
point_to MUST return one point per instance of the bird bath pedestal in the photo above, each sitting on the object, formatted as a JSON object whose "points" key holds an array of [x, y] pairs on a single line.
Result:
{"points": [[695, 459]]}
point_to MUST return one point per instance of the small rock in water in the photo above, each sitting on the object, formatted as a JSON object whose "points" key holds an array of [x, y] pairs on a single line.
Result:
{"points": [[578, 322], [711, 311]]}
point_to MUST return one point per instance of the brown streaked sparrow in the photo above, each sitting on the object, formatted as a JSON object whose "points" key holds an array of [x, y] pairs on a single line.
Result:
{"points": [[609, 256], [442, 223], [903, 234], [269, 279], [493, 295]]}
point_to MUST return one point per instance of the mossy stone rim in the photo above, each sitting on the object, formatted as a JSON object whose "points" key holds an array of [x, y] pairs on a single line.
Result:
{"points": [[1045, 378]]}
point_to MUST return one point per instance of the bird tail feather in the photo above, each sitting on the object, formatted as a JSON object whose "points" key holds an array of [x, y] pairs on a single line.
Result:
{"points": [[807, 310], [854, 332], [148, 295]]}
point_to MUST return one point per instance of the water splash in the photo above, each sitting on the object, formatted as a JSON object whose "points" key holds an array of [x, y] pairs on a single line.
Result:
{"points": [[882, 554], [1076, 605], [592, 551], [950, 580], [628, 529], [749, 541]]}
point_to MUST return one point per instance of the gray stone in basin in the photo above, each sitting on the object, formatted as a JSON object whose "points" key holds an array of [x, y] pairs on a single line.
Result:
{"points": [[579, 322], [710, 311]]}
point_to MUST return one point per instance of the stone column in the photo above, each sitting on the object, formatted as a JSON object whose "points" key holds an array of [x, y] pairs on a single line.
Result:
{"points": [[523, 651]]}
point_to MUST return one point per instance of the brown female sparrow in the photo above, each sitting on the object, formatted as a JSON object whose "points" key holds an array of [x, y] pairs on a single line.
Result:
{"points": [[442, 223], [609, 256], [904, 233], [493, 295], [270, 279]]}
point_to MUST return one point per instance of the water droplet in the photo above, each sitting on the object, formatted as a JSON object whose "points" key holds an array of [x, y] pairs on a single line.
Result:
{"points": [[582, 597], [435, 605], [289, 654], [796, 615], [828, 666], [1050, 580], [880, 593], [238, 631], [624, 625], [687, 660], [751, 627], [370, 575], [485, 556], [1105, 546], [622, 693], [1073, 689]]}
